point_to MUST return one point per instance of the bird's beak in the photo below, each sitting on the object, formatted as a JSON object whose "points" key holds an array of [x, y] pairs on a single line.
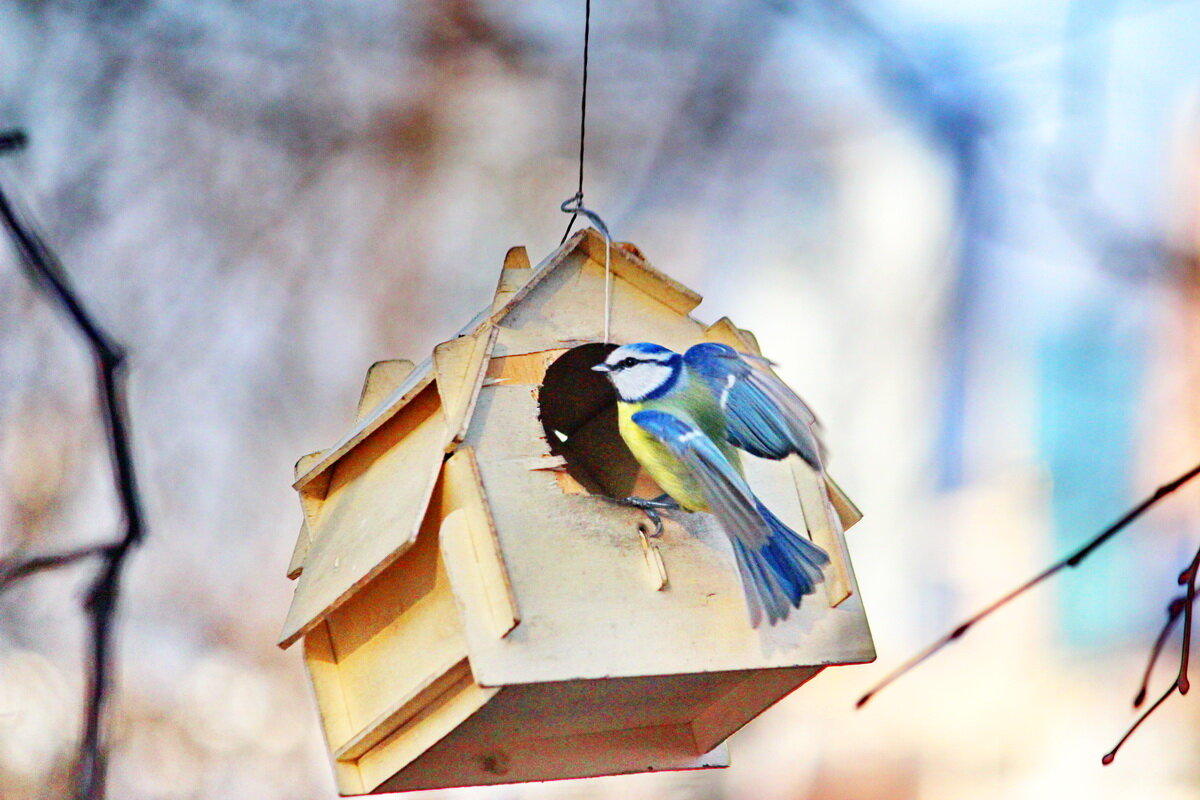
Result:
{"points": [[602, 367]]}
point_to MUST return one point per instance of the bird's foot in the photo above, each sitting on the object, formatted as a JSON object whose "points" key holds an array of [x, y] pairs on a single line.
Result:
{"points": [[650, 507]]}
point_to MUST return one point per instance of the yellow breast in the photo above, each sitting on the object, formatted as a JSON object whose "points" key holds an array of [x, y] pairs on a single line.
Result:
{"points": [[667, 470]]}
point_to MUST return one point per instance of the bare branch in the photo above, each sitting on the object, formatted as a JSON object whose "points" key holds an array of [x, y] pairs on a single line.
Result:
{"points": [[1072, 560], [45, 271]]}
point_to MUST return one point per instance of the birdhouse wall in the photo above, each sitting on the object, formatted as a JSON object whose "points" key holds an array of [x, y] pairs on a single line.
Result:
{"points": [[577, 564]]}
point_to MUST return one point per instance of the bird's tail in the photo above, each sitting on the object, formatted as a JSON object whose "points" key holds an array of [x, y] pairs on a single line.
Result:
{"points": [[779, 574]]}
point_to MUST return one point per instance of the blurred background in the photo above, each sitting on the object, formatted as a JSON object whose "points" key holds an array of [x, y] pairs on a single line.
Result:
{"points": [[966, 230]]}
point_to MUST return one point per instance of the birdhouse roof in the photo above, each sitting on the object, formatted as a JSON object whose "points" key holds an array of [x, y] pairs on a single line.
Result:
{"points": [[396, 448]]}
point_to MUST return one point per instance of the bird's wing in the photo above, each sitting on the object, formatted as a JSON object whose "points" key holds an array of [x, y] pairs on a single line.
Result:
{"points": [[729, 496], [763, 415]]}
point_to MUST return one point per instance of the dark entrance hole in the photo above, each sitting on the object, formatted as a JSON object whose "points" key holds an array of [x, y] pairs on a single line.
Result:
{"points": [[579, 415]]}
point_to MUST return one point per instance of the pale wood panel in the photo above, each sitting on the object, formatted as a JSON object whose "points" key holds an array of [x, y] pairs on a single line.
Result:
{"points": [[323, 672], [723, 331], [513, 276], [826, 529], [459, 368], [527, 368], [408, 705], [847, 511], [564, 307], [426, 728], [310, 502], [413, 386], [472, 553], [745, 701], [383, 378], [576, 563], [582, 756], [398, 634], [627, 263], [373, 509]]}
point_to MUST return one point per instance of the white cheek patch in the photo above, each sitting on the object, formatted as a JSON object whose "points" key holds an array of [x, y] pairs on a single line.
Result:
{"points": [[636, 382]]}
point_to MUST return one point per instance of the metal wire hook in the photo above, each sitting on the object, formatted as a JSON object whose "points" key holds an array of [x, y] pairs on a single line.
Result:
{"points": [[574, 206]]}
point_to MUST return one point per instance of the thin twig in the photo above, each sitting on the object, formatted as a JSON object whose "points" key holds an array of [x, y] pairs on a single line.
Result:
{"points": [[1174, 612], [45, 271], [1072, 560], [1181, 683]]}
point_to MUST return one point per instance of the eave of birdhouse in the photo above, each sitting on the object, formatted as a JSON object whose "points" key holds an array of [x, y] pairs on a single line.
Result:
{"points": [[330, 571]]}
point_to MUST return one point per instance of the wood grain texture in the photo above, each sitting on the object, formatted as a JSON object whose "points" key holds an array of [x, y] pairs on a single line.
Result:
{"points": [[459, 365], [471, 551], [310, 502], [383, 378], [513, 276], [377, 498]]}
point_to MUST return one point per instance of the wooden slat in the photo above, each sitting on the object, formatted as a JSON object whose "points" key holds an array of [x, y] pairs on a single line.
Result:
{"points": [[372, 512], [472, 553], [335, 718], [847, 511], [383, 378], [745, 701], [513, 276], [310, 501], [413, 385], [406, 707], [459, 366], [426, 728], [826, 529]]}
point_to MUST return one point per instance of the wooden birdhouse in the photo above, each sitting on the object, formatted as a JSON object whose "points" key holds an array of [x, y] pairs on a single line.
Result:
{"points": [[474, 610]]}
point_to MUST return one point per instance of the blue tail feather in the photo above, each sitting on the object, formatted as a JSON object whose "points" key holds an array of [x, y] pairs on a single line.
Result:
{"points": [[778, 575]]}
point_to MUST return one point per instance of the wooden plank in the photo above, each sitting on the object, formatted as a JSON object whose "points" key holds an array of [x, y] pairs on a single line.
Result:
{"points": [[628, 264], [642, 298], [472, 553], [478, 763], [372, 512], [513, 276], [335, 719], [847, 511], [413, 386], [383, 378], [826, 529], [723, 331], [407, 706], [310, 502], [527, 369], [745, 701], [421, 732], [398, 635], [459, 366]]}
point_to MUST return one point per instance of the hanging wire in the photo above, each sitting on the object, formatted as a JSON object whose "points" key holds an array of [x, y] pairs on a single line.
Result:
{"points": [[574, 205]]}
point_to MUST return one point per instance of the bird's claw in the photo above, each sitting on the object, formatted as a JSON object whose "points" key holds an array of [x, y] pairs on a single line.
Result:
{"points": [[650, 507]]}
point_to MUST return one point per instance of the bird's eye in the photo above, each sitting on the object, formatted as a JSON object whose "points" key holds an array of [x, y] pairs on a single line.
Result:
{"points": [[629, 362]]}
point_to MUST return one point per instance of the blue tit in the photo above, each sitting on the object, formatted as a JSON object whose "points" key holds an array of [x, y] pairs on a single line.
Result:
{"points": [[683, 418]]}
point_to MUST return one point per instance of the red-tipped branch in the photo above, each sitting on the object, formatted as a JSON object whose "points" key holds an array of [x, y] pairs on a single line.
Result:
{"points": [[1072, 560], [1174, 612], [1181, 683]]}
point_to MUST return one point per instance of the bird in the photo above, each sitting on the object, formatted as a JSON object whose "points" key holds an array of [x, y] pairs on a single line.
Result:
{"points": [[684, 418]]}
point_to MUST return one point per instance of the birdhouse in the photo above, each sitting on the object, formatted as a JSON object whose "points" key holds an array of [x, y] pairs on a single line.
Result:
{"points": [[474, 607]]}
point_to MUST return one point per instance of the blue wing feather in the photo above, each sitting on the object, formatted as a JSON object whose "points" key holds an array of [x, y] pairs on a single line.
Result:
{"points": [[777, 566], [763, 415]]}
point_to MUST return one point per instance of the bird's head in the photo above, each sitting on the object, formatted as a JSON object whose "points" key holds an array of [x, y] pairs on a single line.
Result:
{"points": [[642, 371]]}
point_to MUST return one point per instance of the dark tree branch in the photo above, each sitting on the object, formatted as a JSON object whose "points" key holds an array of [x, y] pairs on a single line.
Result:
{"points": [[45, 271], [1174, 611], [1181, 683], [1072, 560]]}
